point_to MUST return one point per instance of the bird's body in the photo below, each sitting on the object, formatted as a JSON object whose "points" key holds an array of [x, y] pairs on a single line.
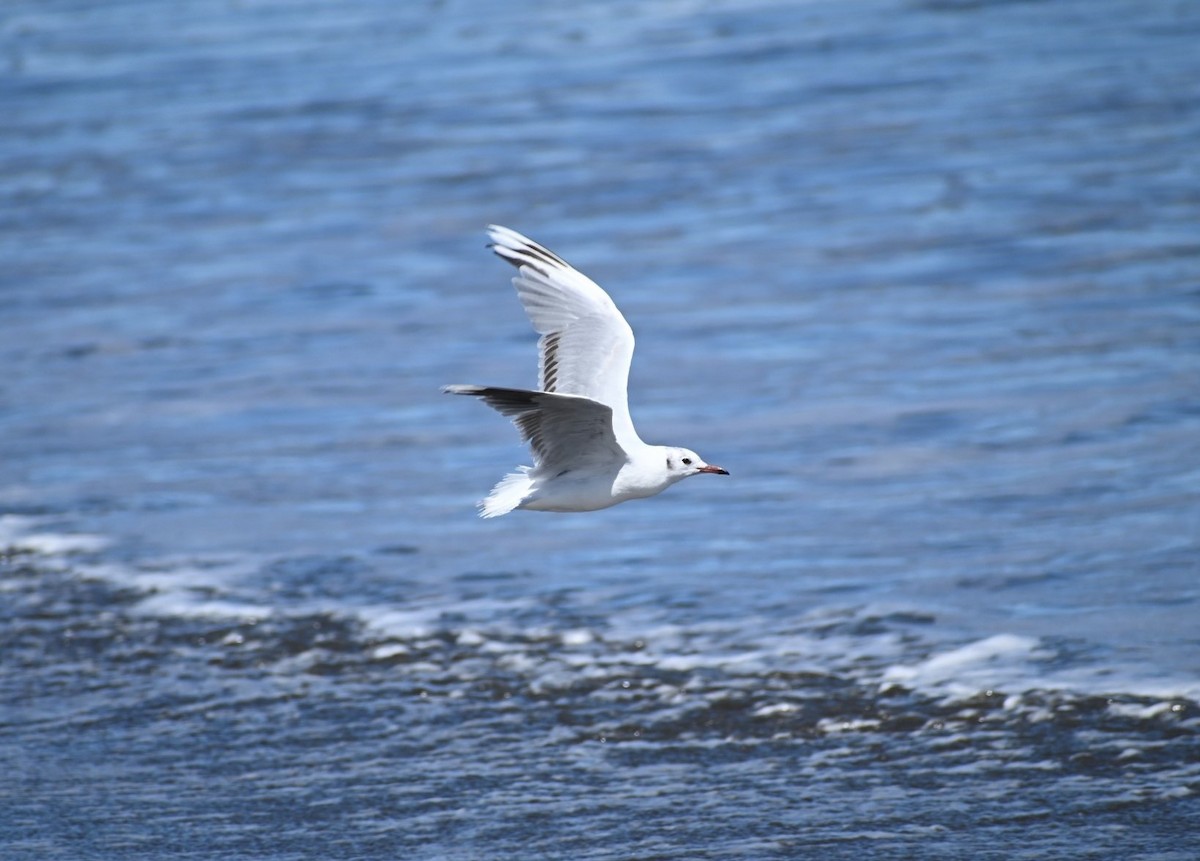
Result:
{"points": [[587, 454]]}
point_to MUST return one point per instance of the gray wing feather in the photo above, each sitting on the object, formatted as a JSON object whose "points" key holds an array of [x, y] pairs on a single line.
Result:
{"points": [[562, 430]]}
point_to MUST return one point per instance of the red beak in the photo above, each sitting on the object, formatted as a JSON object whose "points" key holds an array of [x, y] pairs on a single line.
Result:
{"points": [[715, 470]]}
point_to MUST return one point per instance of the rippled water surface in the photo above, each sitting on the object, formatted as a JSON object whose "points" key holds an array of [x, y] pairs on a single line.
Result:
{"points": [[924, 276]]}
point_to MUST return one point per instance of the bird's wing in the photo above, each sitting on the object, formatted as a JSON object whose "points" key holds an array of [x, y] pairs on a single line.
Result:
{"points": [[564, 431], [586, 345]]}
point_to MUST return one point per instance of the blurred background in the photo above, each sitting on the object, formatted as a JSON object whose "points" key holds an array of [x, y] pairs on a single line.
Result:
{"points": [[924, 276]]}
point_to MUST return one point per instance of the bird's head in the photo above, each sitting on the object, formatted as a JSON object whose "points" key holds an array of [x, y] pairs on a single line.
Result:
{"points": [[683, 462]]}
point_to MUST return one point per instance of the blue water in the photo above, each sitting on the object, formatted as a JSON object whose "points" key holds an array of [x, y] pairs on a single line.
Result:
{"points": [[924, 276]]}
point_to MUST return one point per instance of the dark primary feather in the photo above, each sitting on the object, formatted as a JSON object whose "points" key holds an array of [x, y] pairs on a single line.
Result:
{"points": [[529, 254], [549, 369]]}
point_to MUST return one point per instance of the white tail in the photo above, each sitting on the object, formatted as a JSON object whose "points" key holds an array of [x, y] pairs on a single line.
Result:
{"points": [[509, 493]]}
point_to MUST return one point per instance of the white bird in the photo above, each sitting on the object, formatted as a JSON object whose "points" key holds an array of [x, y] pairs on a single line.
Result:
{"points": [[586, 454]]}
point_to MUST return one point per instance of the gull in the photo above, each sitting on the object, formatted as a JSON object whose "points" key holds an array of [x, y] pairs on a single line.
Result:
{"points": [[586, 454]]}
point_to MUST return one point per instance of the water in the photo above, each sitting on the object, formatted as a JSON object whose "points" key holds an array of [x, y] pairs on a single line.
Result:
{"points": [[924, 276]]}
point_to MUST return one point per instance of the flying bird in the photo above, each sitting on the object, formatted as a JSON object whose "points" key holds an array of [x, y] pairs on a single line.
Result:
{"points": [[586, 453]]}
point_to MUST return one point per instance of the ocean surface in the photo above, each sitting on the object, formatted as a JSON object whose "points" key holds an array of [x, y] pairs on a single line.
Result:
{"points": [[924, 276]]}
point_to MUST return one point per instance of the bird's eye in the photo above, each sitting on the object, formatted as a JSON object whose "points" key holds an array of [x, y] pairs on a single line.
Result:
{"points": [[687, 461]]}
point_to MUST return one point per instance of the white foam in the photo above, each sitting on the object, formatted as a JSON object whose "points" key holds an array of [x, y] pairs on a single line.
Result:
{"points": [[773, 709], [17, 534], [1140, 712], [1015, 664], [171, 605], [577, 637], [825, 641], [389, 650], [987, 664]]}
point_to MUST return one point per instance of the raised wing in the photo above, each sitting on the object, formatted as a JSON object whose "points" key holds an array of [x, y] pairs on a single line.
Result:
{"points": [[586, 345], [564, 431]]}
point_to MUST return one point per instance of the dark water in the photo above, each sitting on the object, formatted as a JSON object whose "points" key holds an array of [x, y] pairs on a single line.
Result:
{"points": [[924, 276]]}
